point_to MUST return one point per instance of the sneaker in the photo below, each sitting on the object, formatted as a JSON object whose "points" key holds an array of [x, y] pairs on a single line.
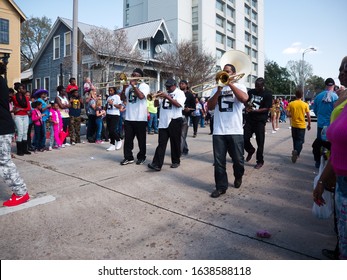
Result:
{"points": [[119, 144], [67, 144], [111, 148], [73, 143], [50, 148], [99, 142], [259, 165], [16, 200], [83, 142], [277, 128], [274, 131], [126, 161], [294, 156], [217, 193], [63, 146], [140, 161]]}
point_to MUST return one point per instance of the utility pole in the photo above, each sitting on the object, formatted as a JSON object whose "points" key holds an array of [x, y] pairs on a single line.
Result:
{"points": [[74, 38]]}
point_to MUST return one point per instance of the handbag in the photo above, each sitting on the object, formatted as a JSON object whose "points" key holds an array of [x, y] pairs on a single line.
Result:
{"points": [[326, 210]]}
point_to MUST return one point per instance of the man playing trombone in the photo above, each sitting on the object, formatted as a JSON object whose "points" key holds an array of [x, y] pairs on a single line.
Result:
{"points": [[135, 94], [227, 102]]}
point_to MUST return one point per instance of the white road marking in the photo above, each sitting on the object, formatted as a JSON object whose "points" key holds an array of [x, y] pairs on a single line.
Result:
{"points": [[31, 203]]}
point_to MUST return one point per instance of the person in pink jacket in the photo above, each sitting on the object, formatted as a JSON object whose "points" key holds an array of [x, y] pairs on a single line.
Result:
{"points": [[57, 122]]}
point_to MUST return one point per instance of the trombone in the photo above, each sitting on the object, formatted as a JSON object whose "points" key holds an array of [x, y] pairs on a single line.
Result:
{"points": [[154, 96], [124, 79]]}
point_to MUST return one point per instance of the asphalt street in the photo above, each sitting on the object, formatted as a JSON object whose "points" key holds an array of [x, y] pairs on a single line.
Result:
{"points": [[86, 206]]}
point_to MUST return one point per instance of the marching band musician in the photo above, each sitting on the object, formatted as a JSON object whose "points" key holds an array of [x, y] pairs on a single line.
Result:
{"points": [[227, 103], [170, 125], [135, 95]]}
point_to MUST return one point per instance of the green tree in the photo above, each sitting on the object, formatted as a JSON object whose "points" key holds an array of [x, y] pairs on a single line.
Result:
{"points": [[277, 79], [33, 34], [315, 84]]}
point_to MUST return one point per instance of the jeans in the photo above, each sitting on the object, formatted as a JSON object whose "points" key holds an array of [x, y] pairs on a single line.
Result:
{"points": [[22, 123], [38, 137], [234, 145], [259, 129], [298, 135], [153, 121], [98, 122]]}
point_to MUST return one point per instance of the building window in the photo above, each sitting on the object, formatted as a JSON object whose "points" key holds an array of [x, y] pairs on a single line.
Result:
{"points": [[67, 44], [195, 27], [4, 31], [220, 21], [220, 5], [219, 38], [247, 37], [126, 17], [247, 24], [219, 53], [231, 2], [56, 47], [58, 80], [143, 45], [230, 12], [247, 10], [230, 27], [254, 41], [46, 83], [254, 16], [38, 83], [248, 50], [255, 67], [195, 15], [254, 3], [230, 43], [254, 28], [254, 54]]}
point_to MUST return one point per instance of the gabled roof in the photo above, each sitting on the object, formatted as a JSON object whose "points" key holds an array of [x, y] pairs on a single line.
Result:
{"points": [[21, 14], [135, 33]]}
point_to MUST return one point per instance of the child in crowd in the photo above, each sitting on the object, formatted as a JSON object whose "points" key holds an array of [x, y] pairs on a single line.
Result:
{"points": [[100, 114], [36, 117], [72, 85], [75, 117], [56, 125]]}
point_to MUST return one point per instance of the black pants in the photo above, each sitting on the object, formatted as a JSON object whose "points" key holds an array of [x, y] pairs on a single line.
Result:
{"points": [[132, 129], [112, 122], [91, 128], [259, 129], [173, 132]]}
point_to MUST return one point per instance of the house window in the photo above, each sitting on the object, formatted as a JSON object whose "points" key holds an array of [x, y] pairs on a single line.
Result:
{"points": [[38, 83], [67, 44], [46, 83], [143, 45], [56, 47], [4, 31], [29, 87], [58, 80]]}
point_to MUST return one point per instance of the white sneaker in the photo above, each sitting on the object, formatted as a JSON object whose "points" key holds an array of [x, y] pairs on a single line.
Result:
{"points": [[73, 143], [277, 128], [274, 131], [63, 146], [119, 144], [67, 144], [111, 148], [49, 148]]}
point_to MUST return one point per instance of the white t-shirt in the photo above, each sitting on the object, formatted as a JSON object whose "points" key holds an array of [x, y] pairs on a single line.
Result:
{"points": [[136, 107], [169, 111], [228, 112], [111, 109]]}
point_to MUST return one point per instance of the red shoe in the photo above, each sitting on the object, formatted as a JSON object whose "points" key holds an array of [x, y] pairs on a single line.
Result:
{"points": [[16, 200]]}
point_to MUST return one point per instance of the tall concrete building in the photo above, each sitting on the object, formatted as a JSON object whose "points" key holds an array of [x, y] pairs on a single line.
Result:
{"points": [[215, 25]]}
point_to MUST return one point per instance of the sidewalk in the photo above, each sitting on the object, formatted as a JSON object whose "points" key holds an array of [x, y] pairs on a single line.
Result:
{"points": [[85, 205]]}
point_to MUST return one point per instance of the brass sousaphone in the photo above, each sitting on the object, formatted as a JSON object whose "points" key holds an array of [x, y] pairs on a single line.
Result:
{"points": [[243, 66]]}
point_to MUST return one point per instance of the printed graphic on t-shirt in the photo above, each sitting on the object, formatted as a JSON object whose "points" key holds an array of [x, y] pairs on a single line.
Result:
{"points": [[76, 104], [132, 96], [109, 106], [226, 102], [255, 102], [167, 104]]}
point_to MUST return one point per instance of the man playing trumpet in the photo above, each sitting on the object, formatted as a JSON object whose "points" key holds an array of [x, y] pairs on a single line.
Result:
{"points": [[170, 125], [227, 103]]}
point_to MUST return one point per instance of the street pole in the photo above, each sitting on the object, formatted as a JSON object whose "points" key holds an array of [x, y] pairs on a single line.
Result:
{"points": [[74, 39], [302, 69]]}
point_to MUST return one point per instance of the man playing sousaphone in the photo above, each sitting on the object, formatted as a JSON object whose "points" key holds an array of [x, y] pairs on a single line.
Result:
{"points": [[228, 102]]}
